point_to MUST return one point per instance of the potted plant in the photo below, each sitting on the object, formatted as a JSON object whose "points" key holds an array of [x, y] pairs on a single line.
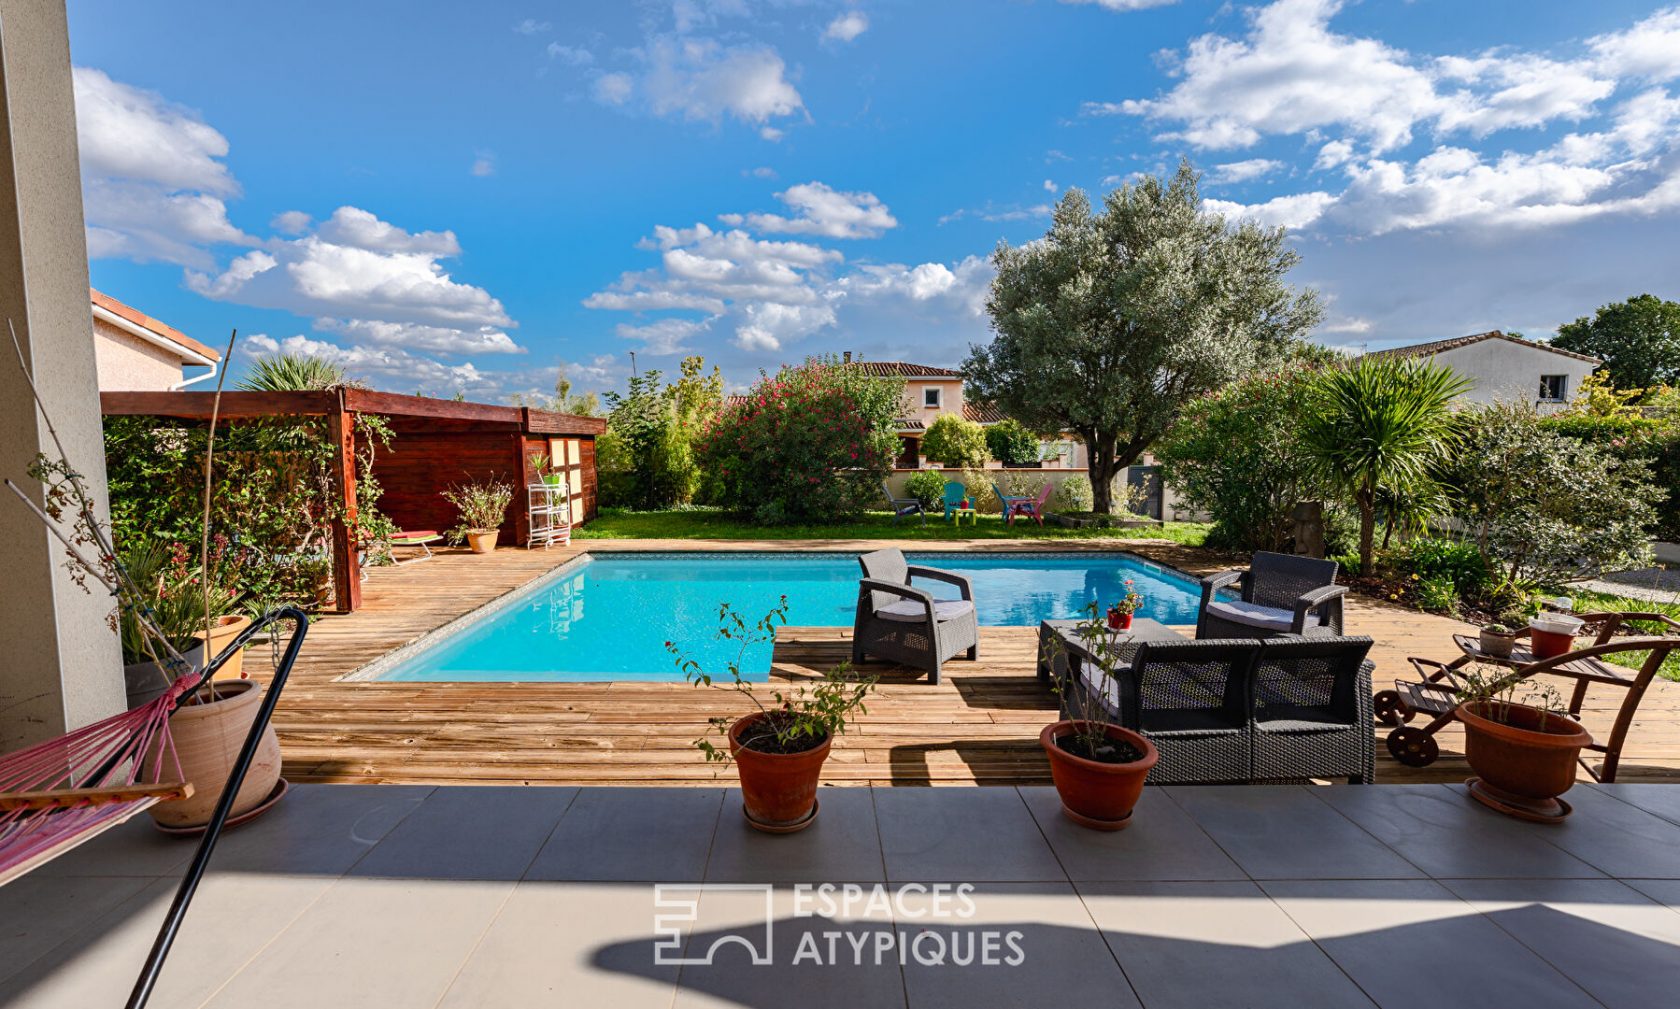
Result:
{"points": [[483, 508], [1553, 634], [1523, 754], [1120, 614], [1099, 768], [171, 594], [1497, 640], [778, 748], [542, 465]]}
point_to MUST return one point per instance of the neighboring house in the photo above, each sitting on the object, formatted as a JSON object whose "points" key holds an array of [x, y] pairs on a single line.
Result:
{"points": [[1507, 369], [136, 352]]}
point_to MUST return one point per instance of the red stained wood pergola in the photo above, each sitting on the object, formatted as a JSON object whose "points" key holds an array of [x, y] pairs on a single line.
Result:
{"points": [[436, 443]]}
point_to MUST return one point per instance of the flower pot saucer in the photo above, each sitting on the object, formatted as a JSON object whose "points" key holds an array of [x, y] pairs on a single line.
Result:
{"points": [[1095, 824], [1532, 810], [280, 789], [782, 828]]}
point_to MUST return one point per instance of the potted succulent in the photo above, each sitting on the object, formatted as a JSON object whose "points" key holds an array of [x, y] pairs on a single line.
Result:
{"points": [[1497, 640], [483, 508], [1099, 768], [779, 748], [542, 465], [1120, 614], [1523, 754]]}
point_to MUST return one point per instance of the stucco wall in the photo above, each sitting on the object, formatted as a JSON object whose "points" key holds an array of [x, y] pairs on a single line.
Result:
{"points": [[130, 363], [951, 399], [1502, 371]]}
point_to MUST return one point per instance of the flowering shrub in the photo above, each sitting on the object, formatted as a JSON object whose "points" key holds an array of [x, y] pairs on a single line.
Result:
{"points": [[928, 487], [810, 443], [952, 441]]}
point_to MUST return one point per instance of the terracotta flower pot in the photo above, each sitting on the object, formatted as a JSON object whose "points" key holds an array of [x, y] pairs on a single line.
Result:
{"points": [[227, 628], [482, 541], [1524, 760], [1096, 794], [207, 741], [778, 790]]}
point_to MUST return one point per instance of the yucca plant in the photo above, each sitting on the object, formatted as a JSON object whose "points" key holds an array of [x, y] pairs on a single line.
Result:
{"points": [[1378, 430], [292, 373]]}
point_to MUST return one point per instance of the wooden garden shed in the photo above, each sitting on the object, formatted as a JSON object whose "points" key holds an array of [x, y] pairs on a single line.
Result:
{"points": [[436, 443]]}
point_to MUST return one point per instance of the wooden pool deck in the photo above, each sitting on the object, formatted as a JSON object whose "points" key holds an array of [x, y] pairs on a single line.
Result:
{"points": [[980, 726]]}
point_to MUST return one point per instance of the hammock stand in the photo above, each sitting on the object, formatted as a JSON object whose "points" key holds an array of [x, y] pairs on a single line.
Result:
{"points": [[50, 801]]}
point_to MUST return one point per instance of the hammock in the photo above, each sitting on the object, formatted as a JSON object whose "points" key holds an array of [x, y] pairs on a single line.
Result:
{"points": [[61, 792]]}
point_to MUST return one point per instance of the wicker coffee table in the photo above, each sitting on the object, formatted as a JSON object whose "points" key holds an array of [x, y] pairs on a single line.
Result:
{"points": [[1143, 629]]}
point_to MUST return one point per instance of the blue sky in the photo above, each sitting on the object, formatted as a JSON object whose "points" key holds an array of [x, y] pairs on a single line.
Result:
{"points": [[468, 197]]}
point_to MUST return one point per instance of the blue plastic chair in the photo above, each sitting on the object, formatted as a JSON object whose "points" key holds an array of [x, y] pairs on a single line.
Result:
{"points": [[954, 494]]}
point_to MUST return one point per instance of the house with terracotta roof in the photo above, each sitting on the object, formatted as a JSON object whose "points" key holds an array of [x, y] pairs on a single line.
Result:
{"points": [[1507, 369], [136, 352]]}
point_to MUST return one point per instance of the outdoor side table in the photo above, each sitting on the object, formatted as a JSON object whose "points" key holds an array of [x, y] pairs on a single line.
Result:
{"points": [[1143, 629]]}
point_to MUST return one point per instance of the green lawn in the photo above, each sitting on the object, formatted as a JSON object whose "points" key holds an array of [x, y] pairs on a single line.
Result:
{"points": [[1598, 601], [700, 523]]}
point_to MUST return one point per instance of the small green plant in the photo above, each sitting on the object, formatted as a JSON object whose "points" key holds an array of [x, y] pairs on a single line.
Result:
{"points": [[483, 506], [794, 721], [539, 463], [1110, 653], [1503, 630], [1438, 593], [292, 373], [1127, 603], [927, 486], [1073, 495], [1495, 690]]}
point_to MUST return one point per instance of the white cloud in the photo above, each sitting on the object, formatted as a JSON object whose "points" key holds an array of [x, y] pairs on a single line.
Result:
{"points": [[1336, 152], [701, 79], [822, 211], [1049, 186], [531, 26], [846, 27], [664, 336], [418, 336], [1244, 171], [1650, 49], [1522, 91], [761, 172], [291, 222], [152, 175], [570, 55], [770, 133], [1295, 211], [613, 89], [1123, 5], [483, 165], [1010, 212], [386, 366], [356, 227]]}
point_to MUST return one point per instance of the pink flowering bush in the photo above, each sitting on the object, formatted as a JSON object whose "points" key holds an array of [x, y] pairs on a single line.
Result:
{"points": [[810, 443]]}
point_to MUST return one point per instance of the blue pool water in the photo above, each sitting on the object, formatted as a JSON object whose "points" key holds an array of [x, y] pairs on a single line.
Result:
{"points": [[609, 616]]}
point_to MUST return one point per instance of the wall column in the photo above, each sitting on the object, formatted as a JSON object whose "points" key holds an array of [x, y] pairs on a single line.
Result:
{"points": [[60, 667]]}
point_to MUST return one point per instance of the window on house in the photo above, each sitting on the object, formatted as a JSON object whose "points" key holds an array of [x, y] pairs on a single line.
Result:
{"points": [[931, 397], [1554, 388]]}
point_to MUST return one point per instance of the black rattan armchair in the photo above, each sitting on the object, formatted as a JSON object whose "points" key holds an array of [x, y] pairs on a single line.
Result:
{"points": [[900, 622], [1280, 594]]}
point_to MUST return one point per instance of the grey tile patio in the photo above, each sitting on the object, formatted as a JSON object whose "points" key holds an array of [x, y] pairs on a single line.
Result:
{"points": [[135, 848], [1663, 800], [1286, 833], [582, 944], [843, 845], [1410, 941], [1444, 832], [40, 912], [370, 943], [476, 833], [632, 834], [1044, 943], [1617, 943], [1162, 843], [318, 829], [967, 835], [1214, 944], [1617, 838]]}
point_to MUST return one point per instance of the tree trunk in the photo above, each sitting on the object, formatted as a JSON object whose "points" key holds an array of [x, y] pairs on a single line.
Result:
{"points": [[1367, 531], [1102, 467]]}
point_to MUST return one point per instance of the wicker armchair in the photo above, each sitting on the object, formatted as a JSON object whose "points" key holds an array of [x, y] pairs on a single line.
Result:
{"points": [[1190, 698], [902, 623], [1281, 594], [1312, 710]]}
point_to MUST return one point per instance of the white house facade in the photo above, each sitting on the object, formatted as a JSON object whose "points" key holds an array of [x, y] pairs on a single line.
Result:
{"points": [[138, 353], [1508, 369]]}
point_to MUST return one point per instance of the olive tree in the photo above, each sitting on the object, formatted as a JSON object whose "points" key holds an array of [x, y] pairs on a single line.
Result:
{"points": [[1116, 319]]}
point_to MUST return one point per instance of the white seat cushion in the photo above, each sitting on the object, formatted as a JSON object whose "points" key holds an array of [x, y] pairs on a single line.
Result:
{"points": [[911, 611], [1268, 618]]}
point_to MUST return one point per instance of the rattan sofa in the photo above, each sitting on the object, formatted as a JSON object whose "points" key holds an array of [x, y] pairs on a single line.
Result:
{"points": [[1238, 709], [901, 623]]}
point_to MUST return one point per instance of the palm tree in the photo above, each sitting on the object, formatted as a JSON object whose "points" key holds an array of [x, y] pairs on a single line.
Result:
{"points": [[1378, 430], [292, 373]]}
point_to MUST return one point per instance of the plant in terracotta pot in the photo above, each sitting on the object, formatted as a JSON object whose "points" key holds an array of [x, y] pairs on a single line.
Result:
{"points": [[483, 508], [1497, 640], [1523, 754], [778, 748], [1099, 768], [170, 591], [1120, 613]]}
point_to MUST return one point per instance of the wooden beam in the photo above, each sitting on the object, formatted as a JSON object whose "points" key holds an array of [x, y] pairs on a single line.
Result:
{"points": [[347, 573], [235, 405], [63, 798], [397, 404], [546, 422]]}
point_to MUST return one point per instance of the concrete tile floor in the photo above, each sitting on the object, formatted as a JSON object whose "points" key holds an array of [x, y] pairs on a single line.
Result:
{"points": [[476, 897]]}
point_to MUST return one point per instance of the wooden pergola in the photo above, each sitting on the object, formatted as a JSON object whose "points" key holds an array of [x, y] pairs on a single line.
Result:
{"points": [[457, 440]]}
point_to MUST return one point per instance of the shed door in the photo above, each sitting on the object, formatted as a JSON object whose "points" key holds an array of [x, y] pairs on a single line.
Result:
{"points": [[567, 454]]}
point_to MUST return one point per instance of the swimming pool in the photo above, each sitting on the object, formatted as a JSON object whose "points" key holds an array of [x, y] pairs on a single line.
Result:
{"points": [[607, 616]]}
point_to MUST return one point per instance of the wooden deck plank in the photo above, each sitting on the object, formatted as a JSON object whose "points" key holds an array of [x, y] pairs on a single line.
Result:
{"points": [[978, 727]]}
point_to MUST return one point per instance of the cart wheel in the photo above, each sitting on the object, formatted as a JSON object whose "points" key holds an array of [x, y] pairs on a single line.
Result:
{"points": [[1413, 747], [1390, 709]]}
